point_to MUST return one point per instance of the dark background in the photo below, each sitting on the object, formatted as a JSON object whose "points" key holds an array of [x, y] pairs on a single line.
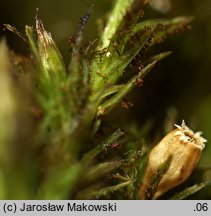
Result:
{"points": [[178, 88]]}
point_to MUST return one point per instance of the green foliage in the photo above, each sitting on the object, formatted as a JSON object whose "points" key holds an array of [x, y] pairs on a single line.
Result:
{"points": [[52, 113], [188, 191], [155, 179]]}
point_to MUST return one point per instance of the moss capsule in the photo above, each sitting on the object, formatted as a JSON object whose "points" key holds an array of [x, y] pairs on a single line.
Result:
{"points": [[184, 147]]}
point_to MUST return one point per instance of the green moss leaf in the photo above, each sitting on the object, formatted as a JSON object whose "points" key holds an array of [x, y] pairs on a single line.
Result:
{"points": [[188, 191]]}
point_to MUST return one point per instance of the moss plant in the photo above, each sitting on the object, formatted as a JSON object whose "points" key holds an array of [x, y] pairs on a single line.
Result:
{"points": [[51, 140]]}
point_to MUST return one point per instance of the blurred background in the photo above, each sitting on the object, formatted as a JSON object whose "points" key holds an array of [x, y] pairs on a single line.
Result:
{"points": [[178, 88]]}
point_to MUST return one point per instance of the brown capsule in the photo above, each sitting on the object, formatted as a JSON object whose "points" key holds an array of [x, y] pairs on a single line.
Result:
{"points": [[184, 147]]}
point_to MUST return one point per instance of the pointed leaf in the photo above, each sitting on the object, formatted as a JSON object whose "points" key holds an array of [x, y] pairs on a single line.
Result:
{"points": [[188, 191]]}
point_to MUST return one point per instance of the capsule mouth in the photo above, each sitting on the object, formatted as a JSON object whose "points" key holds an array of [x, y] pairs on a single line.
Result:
{"points": [[188, 136]]}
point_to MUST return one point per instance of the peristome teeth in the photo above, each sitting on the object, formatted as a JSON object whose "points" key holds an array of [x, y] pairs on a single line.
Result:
{"points": [[178, 133]]}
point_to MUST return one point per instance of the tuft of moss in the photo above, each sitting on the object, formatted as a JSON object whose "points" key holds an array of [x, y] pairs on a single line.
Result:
{"points": [[51, 141]]}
